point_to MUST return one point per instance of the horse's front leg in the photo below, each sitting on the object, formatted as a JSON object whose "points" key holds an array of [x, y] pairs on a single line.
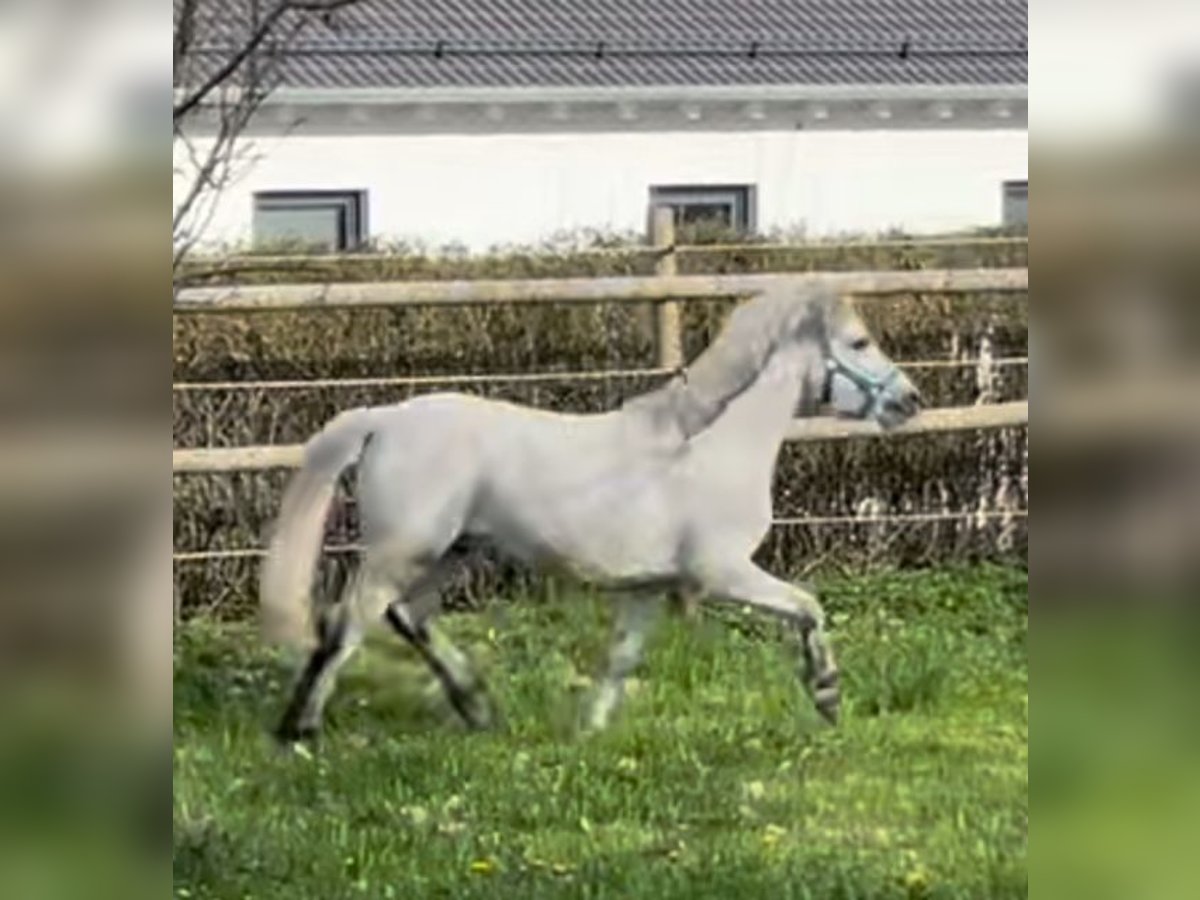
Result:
{"points": [[747, 584], [636, 617]]}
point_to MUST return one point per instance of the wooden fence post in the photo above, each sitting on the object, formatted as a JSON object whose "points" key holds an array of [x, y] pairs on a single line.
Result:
{"points": [[667, 331], [668, 335]]}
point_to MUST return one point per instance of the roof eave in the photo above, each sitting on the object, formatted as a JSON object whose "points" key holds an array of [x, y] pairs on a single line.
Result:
{"points": [[656, 93]]}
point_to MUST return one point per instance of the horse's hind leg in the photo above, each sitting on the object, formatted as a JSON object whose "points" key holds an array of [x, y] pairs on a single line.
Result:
{"points": [[336, 643], [462, 684], [340, 634], [748, 584]]}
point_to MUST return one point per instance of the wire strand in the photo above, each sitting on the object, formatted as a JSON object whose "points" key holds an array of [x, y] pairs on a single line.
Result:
{"points": [[902, 518], [523, 377], [898, 518], [388, 381]]}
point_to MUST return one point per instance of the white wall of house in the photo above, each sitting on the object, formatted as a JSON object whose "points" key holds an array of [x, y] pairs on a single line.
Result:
{"points": [[489, 189]]}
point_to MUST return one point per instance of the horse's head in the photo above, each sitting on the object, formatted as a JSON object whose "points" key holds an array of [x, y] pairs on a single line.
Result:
{"points": [[860, 380]]}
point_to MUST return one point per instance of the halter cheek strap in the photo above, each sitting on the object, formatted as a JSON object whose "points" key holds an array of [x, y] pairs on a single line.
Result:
{"points": [[872, 386]]}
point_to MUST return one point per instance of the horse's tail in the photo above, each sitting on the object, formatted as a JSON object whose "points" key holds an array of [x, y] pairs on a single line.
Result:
{"points": [[285, 580]]}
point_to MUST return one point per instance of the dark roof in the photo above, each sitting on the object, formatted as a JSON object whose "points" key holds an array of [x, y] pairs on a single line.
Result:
{"points": [[616, 43]]}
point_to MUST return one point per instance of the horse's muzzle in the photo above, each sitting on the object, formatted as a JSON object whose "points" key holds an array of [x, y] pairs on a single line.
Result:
{"points": [[899, 408], [906, 405]]}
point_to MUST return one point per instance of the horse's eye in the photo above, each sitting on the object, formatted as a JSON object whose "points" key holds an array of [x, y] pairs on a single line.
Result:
{"points": [[860, 344]]}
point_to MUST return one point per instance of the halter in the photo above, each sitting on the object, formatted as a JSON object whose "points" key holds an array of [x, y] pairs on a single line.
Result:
{"points": [[872, 386]]}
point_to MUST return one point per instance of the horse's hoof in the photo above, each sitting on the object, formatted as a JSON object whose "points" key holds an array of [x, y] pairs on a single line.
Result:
{"points": [[289, 734], [474, 708], [474, 722], [483, 717], [829, 712], [827, 697]]}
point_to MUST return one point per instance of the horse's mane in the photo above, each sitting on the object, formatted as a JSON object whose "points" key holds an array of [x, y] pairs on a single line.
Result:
{"points": [[695, 398]]}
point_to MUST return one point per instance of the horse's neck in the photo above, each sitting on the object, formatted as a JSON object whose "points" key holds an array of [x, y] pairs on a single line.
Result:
{"points": [[760, 416]]}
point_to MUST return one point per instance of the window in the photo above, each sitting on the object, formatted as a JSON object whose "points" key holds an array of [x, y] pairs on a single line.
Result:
{"points": [[721, 207], [328, 221], [1016, 203]]}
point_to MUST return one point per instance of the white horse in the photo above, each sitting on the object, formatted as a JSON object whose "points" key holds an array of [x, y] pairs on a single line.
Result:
{"points": [[671, 492]]}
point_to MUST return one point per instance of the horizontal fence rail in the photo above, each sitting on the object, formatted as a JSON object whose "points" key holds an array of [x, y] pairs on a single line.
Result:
{"points": [[253, 298], [284, 260], [985, 416]]}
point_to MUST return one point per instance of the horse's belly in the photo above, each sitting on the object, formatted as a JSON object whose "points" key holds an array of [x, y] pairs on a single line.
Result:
{"points": [[603, 536]]}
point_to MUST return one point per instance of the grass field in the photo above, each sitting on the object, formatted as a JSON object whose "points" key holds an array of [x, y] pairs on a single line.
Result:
{"points": [[717, 780]]}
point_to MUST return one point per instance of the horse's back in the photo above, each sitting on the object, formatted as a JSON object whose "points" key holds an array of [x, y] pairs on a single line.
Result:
{"points": [[428, 456]]}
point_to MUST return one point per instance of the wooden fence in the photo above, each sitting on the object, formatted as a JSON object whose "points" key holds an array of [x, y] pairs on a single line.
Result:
{"points": [[666, 290]]}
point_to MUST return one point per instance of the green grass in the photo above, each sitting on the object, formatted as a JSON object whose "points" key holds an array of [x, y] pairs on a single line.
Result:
{"points": [[717, 780]]}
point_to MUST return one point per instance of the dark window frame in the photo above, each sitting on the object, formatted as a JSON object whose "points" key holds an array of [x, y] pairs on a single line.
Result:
{"points": [[741, 199], [1014, 193], [351, 206]]}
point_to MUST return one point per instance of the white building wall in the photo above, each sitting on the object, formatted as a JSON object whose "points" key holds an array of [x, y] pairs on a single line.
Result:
{"points": [[485, 190]]}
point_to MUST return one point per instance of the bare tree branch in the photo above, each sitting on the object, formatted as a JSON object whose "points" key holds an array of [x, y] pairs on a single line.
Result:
{"points": [[185, 29], [225, 71], [260, 32], [221, 100]]}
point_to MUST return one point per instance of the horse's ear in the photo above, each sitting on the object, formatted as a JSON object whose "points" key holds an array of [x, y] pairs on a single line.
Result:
{"points": [[821, 308], [836, 307], [836, 304]]}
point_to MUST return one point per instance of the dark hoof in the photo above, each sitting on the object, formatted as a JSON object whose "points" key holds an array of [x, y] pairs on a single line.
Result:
{"points": [[474, 708], [827, 697], [829, 712], [478, 718], [289, 733]]}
